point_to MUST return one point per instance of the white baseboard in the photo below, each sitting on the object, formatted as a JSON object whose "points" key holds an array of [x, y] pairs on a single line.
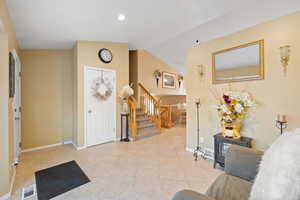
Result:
{"points": [[68, 142], [209, 153], [42, 147], [47, 146], [76, 147]]}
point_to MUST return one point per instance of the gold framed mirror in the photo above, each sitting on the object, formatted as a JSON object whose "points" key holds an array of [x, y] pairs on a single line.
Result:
{"points": [[241, 63]]}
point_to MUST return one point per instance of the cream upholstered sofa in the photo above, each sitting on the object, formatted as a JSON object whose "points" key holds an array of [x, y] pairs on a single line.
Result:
{"points": [[241, 167]]}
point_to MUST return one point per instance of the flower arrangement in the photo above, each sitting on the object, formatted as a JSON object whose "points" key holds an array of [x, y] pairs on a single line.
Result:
{"points": [[232, 110], [125, 93]]}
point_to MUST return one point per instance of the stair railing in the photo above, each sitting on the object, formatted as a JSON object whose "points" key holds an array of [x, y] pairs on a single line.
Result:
{"points": [[132, 104], [150, 106]]}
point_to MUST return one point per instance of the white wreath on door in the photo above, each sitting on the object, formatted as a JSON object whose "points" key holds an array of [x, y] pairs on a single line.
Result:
{"points": [[102, 88]]}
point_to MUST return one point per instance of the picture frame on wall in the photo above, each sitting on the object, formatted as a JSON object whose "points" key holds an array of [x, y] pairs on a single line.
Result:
{"points": [[169, 80]]}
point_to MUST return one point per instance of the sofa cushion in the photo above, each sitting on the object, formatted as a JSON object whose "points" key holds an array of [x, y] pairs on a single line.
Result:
{"points": [[278, 177], [227, 187]]}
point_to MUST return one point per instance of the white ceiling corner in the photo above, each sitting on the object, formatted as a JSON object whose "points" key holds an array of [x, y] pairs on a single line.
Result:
{"points": [[165, 28]]}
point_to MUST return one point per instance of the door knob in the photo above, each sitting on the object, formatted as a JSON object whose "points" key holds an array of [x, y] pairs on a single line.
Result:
{"points": [[17, 118], [89, 111]]}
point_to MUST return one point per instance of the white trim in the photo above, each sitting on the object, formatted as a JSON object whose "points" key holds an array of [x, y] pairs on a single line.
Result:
{"points": [[209, 156], [54, 145], [17, 103], [78, 148], [85, 99], [68, 142], [42, 147]]}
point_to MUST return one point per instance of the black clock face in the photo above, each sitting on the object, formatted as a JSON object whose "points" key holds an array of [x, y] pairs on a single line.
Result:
{"points": [[105, 55]]}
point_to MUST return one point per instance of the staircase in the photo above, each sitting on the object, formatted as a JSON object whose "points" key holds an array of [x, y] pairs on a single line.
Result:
{"points": [[145, 126], [144, 121]]}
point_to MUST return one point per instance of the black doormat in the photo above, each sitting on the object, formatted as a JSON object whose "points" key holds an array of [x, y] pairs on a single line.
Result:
{"points": [[59, 179]]}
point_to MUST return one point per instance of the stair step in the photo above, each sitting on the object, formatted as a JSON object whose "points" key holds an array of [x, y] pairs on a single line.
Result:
{"points": [[142, 119], [144, 133], [139, 110], [146, 125]]}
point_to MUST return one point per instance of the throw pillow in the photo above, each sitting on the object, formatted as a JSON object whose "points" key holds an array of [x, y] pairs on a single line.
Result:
{"points": [[279, 172]]}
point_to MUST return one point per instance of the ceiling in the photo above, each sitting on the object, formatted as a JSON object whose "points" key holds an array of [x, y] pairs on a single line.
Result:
{"points": [[166, 28]]}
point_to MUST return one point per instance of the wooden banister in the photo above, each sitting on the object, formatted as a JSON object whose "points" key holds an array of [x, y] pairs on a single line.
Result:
{"points": [[150, 106], [132, 104]]}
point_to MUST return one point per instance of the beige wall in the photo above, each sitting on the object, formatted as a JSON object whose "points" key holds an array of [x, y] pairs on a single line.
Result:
{"points": [[47, 97], [133, 71], [87, 55], [276, 94], [146, 65], [4, 142], [7, 44], [173, 99]]}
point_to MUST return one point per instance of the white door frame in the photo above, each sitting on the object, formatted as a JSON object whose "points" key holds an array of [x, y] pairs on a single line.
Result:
{"points": [[17, 105], [86, 68]]}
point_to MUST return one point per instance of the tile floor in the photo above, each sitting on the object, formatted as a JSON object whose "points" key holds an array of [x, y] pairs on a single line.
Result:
{"points": [[153, 168]]}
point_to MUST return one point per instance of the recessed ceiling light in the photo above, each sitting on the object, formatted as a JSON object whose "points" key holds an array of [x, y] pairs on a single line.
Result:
{"points": [[121, 17]]}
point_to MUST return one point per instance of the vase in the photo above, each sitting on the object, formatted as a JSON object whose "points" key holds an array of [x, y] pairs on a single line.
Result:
{"points": [[125, 107], [232, 130]]}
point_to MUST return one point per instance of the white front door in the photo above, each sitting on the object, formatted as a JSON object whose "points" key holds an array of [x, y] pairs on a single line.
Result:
{"points": [[100, 111], [17, 107]]}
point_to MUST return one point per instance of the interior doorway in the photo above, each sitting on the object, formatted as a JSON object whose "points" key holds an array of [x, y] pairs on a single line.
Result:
{"points": [[100, 105]]}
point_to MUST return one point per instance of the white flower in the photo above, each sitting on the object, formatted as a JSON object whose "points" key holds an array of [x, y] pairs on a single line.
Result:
{"points": [[102, 89], [238, 108], [225, 109], [126, 92]]}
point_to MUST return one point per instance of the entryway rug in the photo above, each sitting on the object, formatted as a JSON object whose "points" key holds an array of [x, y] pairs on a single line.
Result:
{"points": [[59, 179]]}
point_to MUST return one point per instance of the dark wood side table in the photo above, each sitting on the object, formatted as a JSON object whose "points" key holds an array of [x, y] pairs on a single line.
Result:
{"points": [[126, 139], [221, 145]]}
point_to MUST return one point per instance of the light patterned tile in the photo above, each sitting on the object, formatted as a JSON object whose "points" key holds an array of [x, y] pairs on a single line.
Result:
{"points": [[154, 168]]}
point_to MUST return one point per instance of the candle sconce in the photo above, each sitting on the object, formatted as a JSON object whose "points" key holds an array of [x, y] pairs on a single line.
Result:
{"points": [[285, 56], [281, 123]]}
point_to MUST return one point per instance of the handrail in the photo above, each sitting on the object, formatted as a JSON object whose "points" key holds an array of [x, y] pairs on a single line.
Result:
{"points": [[150, 106], [132, 104]]}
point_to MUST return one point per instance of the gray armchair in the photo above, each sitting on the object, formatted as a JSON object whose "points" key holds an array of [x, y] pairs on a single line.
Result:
{"points": [[241, 167]]}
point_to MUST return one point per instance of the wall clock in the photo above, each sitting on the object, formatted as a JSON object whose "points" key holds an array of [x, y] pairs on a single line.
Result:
{"points": [[105, 55]]}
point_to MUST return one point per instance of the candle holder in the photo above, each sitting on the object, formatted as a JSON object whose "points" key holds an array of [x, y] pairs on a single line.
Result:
{"points": [[198, 149], [281, 125]]}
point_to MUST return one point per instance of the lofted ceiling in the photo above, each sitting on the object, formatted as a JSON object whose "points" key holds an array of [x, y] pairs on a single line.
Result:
{"points": [[164, 27]]}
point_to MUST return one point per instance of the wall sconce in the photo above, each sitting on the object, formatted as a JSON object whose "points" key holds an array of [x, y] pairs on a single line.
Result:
{"points": [[180, 79], [157, 75], [281, 123], [285, 56], [200, 69]]}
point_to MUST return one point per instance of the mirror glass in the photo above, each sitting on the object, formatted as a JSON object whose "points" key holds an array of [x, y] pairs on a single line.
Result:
{"points": [[240, 63]]}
